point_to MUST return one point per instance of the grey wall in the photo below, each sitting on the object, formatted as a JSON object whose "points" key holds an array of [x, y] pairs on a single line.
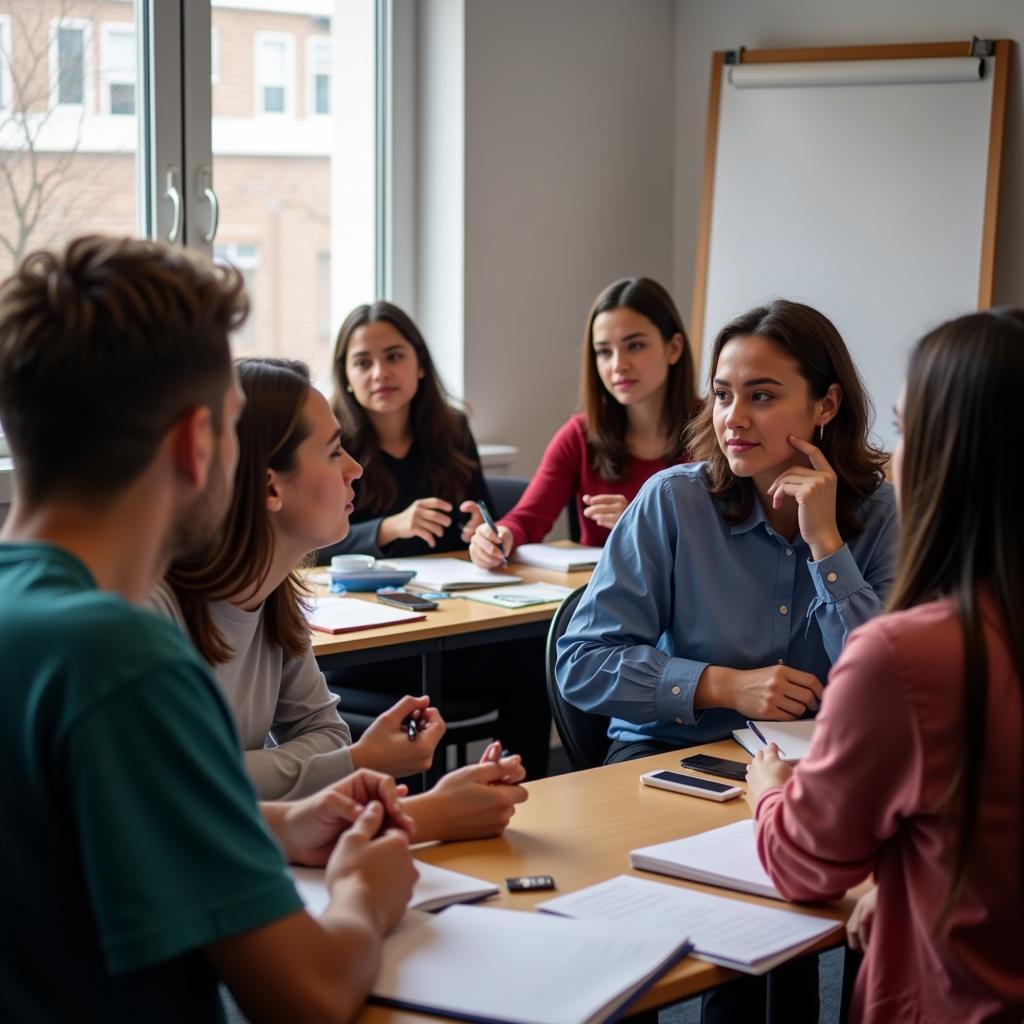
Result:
{"points": [[568, 179], [703, 26]]}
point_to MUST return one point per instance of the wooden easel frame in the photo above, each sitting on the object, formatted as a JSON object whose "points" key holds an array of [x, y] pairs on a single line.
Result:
{"points": [[898, 51]]}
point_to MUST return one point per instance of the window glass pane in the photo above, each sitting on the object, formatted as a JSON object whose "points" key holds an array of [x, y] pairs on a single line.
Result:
{"points": [[63, 171], [120, 55], [273, 99], [275, 185], [122, 98], [70, 65]]}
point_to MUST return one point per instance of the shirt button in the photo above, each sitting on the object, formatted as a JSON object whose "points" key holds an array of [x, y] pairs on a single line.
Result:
{"points": [[675, 691], [783, 610], [789, 551], [832, 577], [679, 721]]}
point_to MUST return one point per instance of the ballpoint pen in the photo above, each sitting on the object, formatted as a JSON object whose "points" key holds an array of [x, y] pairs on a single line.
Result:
{"points": [[760, 735], [489, 520]]}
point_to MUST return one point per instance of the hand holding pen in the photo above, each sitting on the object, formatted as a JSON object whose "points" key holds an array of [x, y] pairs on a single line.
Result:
{"points": [[490, 543]]}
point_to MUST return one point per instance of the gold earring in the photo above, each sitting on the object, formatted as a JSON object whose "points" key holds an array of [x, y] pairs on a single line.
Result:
{"points": [[821, 432]]}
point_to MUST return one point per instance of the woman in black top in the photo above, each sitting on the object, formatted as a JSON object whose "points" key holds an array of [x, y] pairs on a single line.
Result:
{"points": [[421, 470]]}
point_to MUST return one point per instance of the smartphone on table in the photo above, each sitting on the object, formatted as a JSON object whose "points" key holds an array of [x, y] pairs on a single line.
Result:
{"points": [[716, 766], [677, 782], [401, 599]]}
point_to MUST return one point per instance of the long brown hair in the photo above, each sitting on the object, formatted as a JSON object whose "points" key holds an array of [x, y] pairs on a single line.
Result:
{"points": [[270, 430], [960, 502], [606, 418], [441, 431], [811, 339]]}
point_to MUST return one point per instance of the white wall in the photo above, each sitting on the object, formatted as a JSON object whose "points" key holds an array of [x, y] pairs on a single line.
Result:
{"points": [[568, 186], [703, 26]]}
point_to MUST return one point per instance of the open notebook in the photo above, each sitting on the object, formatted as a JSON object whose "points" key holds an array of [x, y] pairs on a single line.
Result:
{"points": [[486, 964], [724, 931], [724, 856], [345, 614], [792, 738], [435, 888], [448, 573], [556, 557], [519, 595]]}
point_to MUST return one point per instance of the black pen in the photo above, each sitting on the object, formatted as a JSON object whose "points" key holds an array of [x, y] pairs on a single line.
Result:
{"points": [[760, 735], [485, 512]]}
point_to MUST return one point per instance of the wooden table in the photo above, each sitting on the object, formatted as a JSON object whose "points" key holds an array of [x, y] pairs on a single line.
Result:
{"points": [[458, 623], [580, 829]]}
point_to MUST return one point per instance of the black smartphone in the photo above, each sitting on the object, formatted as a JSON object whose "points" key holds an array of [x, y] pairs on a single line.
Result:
{"points": [[400, 599], [716, 766]]}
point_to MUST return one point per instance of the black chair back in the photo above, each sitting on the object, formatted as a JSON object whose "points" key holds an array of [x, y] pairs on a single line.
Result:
{"points": [[584, 735], [505, 492]]}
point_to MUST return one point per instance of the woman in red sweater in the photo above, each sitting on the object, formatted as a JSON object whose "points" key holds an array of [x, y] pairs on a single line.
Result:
{"points": [[915, 774], [638, 395]]}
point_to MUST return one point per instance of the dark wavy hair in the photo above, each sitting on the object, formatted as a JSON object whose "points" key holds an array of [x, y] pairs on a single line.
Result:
{"points": [[442, 431], [811, 339], [960, 501], [606, 418], [270, 430]]}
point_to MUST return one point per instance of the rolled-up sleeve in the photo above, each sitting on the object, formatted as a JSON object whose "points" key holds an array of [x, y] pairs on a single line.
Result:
{"points": [[608, 659]]}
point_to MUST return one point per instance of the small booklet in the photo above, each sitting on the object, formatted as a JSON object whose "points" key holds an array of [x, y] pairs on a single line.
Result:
{"points": [[436, 887], [792, 738], [724, 931], [486, 964], [724, 856], [345, 614], [519, 595], [553, 556], [448, 574]]}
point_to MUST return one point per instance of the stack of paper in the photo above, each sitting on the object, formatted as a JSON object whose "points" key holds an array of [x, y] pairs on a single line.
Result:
{"points": [[435, 888], [520, 595], [727, 932], [792, 738], [560, 559], [506, 965], [447, 573], [724, 856], [345, 614]]}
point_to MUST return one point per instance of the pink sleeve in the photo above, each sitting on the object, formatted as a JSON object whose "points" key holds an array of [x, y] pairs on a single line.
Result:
{"points": [[551, 487], [821, 833]]}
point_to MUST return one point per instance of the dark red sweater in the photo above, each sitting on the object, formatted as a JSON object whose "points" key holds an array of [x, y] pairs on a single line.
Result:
{"points": [[564, 471]]}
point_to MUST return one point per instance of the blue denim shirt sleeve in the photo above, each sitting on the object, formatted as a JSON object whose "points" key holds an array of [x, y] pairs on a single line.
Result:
{"points": [[848, 595], [608, 659]]}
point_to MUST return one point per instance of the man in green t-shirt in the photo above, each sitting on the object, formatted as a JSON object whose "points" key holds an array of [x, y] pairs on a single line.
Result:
{"points": [[139, 868]]}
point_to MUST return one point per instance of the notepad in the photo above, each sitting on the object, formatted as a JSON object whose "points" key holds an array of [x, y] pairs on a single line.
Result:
{"points": [[724, 931], [448, 574], [792, 738], [560, 559], [436, 887], [724, 856], [519, 595], [345, 614], [488, 964]]}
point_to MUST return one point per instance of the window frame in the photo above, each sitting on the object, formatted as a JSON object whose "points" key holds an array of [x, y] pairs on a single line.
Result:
{"points": [[84, 25], [315, 42], [107, 79], [260, 81]]}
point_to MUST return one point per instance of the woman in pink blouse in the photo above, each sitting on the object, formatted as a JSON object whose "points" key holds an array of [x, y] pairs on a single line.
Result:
{"points": [[916, 771]]}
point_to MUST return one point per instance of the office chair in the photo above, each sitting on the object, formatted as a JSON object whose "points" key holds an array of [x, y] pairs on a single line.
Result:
{"points": [[584, 735]]}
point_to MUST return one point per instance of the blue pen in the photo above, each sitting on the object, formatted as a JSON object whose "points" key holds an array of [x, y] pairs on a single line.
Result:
{"points": [[485, 512], [760, 735]]}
